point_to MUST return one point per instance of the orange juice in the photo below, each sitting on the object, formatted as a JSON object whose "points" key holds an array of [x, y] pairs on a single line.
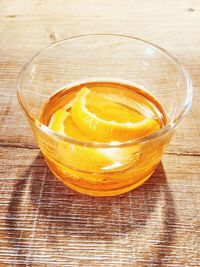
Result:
{"points": [[101, 120]]}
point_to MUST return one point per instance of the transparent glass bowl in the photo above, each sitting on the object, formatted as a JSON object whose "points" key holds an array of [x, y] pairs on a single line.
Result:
{"points": [[104, 57]]}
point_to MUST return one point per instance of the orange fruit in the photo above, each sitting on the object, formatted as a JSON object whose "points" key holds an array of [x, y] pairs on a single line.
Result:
{"points": [[96, 118], [56, 123], [88, 158], [61, 122], [103, 120]]}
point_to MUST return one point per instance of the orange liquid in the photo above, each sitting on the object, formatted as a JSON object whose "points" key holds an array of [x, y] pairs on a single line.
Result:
{"points": [[104, 171]]}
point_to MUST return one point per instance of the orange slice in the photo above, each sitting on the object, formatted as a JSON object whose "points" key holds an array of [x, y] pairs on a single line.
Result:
{"points": [[88, 158], [56, 123], [109, 110], [61, 122], [104, 120], [97, 160]]}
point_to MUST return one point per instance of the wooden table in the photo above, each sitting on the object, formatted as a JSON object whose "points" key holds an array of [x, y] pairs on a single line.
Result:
{"points": [[43, 223]]}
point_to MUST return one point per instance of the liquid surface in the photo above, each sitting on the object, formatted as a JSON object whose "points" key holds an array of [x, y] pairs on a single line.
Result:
{"points": [[103, 112], [113, 109]]}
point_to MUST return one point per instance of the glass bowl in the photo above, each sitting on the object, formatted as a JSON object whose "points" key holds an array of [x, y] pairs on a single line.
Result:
{"points": [[104, 57]]}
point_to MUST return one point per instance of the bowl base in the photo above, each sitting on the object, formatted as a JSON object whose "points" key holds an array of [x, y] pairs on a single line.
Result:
{"points": [[103, 193]]}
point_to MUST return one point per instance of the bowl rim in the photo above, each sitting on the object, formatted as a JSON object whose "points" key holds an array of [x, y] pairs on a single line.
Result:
{"points": [[42, 127]]}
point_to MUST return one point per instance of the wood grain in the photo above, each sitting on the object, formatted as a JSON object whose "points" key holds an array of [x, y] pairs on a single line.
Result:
{"points": [[43, 223]]}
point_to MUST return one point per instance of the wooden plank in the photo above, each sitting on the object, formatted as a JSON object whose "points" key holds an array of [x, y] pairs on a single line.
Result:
{"points": [[44, 222]]}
